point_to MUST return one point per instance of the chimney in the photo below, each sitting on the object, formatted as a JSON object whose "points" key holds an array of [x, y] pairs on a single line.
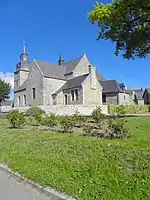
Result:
{"points": [[92, 73]]}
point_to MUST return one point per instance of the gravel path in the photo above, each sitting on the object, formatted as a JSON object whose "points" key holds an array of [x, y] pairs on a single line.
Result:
{"points": [[12, 189]]}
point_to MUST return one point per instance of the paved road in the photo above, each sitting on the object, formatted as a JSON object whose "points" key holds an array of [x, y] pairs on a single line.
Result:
{"points": [[11, 189]]}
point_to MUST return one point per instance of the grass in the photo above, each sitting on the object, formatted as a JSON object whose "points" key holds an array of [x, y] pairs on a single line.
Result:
{"points": [[83, 167]]}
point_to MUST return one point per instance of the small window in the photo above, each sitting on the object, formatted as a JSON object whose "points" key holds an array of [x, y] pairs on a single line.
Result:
{"points": [[66, 100], [24, 100], [124, 97], [77, 94], [104, 98], [33, 93], [19, 101], [72, 95]]}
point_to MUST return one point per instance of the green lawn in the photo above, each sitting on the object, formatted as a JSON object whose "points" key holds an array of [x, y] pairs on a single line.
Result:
{"points": [[86, 168]]}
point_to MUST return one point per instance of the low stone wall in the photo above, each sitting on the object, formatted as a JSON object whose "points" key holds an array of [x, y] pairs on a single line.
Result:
{"points": [[5, 109], [69, 109]]}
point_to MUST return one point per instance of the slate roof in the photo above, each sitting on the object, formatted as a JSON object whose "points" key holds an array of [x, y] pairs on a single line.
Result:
{"points": [[72, 83], [110, 86], [137, 92], [148, 90], [58, 71], [70, 65], [52, 70]]}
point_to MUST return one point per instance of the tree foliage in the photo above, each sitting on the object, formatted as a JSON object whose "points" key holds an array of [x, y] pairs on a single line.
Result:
{"points": [[4, 90], [127, 24]]}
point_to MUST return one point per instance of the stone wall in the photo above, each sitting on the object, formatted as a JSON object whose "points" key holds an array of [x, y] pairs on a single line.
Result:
{"points": [[82, 67], [91, 96], [69, 109], [70, 101], [50, 85], [124, 99], [5, 109], [112, 98], [118, 99]]}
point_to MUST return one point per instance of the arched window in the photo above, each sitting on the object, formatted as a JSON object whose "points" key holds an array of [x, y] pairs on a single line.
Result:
{"points": [[24, 100], [19, 101]]}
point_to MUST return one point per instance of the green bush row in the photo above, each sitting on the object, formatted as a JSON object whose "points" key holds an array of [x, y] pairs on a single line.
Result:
{"points": [[128, 109], [102, 127]]}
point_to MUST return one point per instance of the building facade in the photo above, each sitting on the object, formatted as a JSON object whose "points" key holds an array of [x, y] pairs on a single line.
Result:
{"points": [[39, 83]]}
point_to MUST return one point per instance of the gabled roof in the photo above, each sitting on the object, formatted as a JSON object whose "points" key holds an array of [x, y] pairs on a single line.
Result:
{"points": [[137, 92], [70, 65], [73, 83], [110, 86], [51, 70], [148, 90]]}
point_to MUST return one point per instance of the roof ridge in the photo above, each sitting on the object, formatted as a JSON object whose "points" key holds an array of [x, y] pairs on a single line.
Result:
{"points": [[47, 62], [118, 86], [73, 59]]}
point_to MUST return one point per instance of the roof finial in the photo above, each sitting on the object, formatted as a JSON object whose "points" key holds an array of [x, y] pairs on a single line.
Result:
{"points": [[61, 60], [24, 46]]}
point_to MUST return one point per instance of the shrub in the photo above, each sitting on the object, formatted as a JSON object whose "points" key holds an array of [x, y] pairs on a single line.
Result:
{"points": [[111, 129], [50, 121], [118, 127], [16, 119], [79, 120], [31, 121], [104, 131], [34, 111], [120, 110], [127, 109], [98, 116], [88, 129], [66, 123]]}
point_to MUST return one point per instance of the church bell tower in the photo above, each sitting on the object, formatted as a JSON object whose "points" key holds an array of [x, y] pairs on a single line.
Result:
{"points": [[23, 59]]}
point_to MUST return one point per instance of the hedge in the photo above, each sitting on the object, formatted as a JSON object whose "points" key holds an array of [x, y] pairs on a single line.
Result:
{"points": [[128, 109]]}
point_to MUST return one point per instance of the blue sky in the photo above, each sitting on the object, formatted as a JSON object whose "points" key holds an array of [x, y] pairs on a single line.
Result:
{"points": [[52, 27]]}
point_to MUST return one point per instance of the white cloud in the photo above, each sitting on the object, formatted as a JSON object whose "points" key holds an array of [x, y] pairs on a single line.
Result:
{"points": [[8, 77]]}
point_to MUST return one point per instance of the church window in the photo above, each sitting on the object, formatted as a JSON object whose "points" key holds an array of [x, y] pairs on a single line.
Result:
{"points": [[66, 100], [24, 100], [19, 101], [77, 94], [72, 95], [33, 93]]}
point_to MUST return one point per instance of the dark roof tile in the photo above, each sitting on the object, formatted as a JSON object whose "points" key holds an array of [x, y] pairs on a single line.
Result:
{"points": [[110, 86], [72, 83]]}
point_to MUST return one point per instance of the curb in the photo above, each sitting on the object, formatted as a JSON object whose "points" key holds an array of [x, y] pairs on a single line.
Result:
{"points": [[55, 195]]}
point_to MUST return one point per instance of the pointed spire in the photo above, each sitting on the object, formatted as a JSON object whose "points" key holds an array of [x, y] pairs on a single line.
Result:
{"points": [[24, 55], [61, 60], [24, 46]]}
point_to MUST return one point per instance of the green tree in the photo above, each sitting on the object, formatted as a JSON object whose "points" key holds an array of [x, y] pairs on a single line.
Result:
{"points": [[126, 23], [4, 90]]}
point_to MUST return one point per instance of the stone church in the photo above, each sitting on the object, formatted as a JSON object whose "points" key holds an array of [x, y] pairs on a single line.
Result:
{"points": [[40, 83]]}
